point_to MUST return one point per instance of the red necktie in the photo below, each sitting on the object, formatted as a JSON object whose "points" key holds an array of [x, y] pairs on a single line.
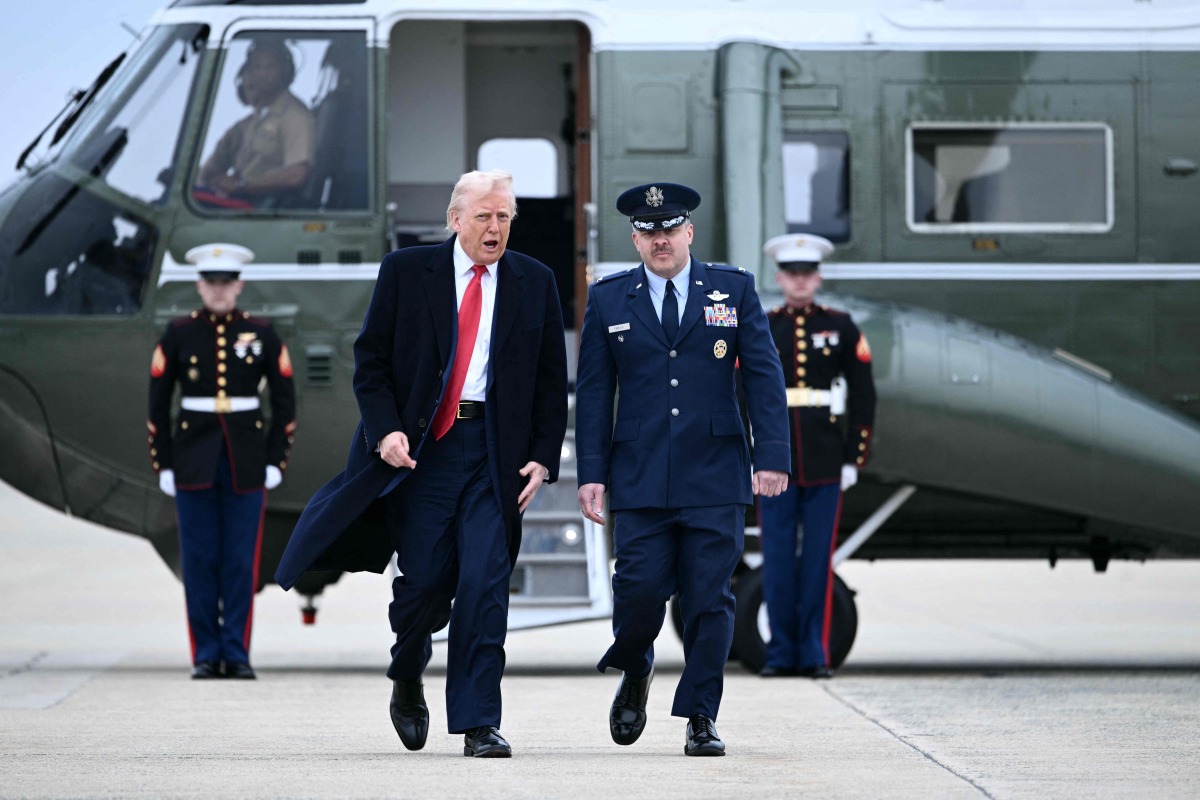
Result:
{"points": [[468, 328]]}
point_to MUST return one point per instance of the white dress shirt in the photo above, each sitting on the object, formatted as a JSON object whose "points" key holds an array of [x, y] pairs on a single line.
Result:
{"points": [[475, 385]]}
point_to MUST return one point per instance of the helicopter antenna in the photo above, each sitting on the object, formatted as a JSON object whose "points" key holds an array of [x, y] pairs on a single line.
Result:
{"points": [[132, 32]]}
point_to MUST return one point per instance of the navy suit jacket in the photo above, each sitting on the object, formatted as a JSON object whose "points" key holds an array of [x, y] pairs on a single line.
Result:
{"points": [[678, 441], [402, 362]]}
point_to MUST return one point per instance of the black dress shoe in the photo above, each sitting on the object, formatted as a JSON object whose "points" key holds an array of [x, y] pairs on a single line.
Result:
{"points": [[206, 670], [815, 672], [702, 738], [627, 716], [243, 672], [410, 715], [777, 672], [486, 742]]}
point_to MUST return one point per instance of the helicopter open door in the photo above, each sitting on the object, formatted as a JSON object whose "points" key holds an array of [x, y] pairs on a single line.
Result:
{"points": [[460, 96]]}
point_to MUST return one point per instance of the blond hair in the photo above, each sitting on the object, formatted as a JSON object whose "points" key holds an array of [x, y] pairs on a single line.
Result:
{"points": [[476, 182]]}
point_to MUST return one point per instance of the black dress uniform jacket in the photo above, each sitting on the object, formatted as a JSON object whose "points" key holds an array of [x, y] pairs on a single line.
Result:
{"points": [[816, 344], [220, 357]]}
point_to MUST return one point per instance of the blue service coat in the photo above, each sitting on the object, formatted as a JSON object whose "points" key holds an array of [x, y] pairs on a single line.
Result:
{"points": [[679, 440], [402, 363]]}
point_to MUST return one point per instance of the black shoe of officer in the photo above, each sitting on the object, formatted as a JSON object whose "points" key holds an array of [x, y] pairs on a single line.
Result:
{"points": [[241, 671], [702, 738], [815, 672], [410, 715], [627, 716], [486, 742], [777, 672], [205, 670]]}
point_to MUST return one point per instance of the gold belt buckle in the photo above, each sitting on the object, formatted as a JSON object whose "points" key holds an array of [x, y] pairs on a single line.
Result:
{"points": [[223, 406], [458, 412]]}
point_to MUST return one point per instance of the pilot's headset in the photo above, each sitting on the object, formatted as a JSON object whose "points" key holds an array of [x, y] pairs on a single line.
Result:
{"points": [[280, 50]]}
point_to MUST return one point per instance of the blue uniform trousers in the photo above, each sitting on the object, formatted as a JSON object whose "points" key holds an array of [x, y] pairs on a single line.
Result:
{"points": [[799, 589], [444, 521], [692, 551], [220, 536]]}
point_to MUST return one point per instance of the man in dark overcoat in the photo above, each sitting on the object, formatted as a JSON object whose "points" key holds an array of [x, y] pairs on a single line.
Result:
{"points": [[461, 382]]}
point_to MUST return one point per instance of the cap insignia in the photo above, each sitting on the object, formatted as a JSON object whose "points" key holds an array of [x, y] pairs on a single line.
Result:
{"points": [[654, 197]]}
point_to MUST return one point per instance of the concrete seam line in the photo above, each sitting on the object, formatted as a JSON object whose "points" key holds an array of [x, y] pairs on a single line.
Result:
{"points": [[27, 666], [905, 742]]}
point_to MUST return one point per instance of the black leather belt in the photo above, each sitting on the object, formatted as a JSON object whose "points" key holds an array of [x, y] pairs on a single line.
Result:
{"points": [[469, 409]]}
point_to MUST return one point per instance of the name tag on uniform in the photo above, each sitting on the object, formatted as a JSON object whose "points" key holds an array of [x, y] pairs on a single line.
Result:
{"points": [[720, 316], [624, 326]]}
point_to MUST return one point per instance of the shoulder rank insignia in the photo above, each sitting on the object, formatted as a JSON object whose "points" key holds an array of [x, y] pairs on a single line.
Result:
{"points": [[158, 364], [285, 362], [863, 350]]}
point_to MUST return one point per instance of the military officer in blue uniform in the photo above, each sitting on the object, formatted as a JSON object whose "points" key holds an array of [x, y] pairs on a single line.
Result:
{"points": [[831, 403], [221, 457], [665, 337]]}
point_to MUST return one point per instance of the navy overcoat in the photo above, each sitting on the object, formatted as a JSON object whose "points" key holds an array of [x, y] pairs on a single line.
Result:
{"points": [[402, 363]]}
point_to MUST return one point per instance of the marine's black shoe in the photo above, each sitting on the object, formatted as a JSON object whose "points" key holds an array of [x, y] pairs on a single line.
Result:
{"points": [[777, 672], [815, 672], [627, 716], [410, 715], [702, 738], [243, 672], [486, 742], [204, 670]]}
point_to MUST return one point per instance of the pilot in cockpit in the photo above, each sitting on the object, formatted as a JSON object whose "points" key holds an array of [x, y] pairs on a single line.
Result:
{"points": [[267, 154]]}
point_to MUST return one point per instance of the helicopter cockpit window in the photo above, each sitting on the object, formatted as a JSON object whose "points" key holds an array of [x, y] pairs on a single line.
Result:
{"points": [[130, 138], [816, 184], [64, 250], [288, 128], [1020, 178]]}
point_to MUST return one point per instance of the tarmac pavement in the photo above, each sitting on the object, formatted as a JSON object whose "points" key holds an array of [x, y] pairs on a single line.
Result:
{"points": [[968, 679]]}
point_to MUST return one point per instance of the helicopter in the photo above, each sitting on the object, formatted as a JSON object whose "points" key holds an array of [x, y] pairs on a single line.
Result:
{"points": [[1010, 192]]}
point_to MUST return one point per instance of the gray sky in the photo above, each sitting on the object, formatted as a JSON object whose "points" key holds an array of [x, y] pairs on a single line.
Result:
{"points": [[47, 47]]}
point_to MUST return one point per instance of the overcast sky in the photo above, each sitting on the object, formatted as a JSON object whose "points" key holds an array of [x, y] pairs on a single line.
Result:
{"points": [[49, 46]]}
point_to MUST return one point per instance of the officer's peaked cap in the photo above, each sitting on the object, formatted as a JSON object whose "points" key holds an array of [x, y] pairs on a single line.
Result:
{"points": [[219, 262], [798, 252], [658, 206]]}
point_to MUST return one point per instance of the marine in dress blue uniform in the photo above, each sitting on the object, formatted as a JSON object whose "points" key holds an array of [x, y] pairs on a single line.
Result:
{"points": [[221, 457], [831, 403], [662, 340]]}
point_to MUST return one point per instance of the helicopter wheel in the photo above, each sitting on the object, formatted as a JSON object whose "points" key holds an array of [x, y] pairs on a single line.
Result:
{"points": [[751, 630]]}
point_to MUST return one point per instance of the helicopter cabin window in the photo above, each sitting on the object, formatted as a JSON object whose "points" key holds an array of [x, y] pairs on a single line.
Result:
{"points": [[816, 184], [1019, 178], [288, 127], [533, 164]]}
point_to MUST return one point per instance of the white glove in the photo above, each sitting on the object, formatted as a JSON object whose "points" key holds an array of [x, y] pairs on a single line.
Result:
{"points": [[849, 476], [166, 482], [274, 476]]}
